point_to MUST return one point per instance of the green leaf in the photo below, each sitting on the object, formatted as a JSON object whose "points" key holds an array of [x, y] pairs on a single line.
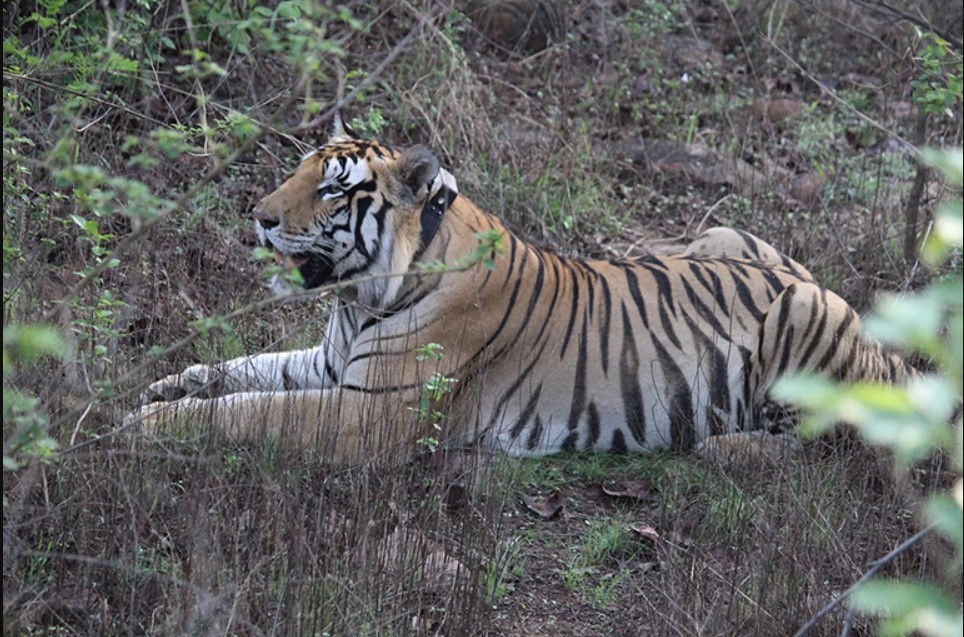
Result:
{"points": [[88, 226], [909, 322], [32, 341], [950, 162], [947, 514], [805, 390], [909, 606], [933, 397]]}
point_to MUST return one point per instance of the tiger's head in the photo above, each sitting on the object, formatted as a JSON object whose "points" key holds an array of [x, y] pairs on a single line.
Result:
{"points": [[355, 208]]}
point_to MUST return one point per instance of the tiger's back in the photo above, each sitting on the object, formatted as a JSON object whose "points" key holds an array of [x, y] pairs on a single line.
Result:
{"points": [[619, 355]]}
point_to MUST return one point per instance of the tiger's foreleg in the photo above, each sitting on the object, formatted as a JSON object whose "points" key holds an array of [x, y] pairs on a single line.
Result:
{"points": [[275, 372], [343, 426]]}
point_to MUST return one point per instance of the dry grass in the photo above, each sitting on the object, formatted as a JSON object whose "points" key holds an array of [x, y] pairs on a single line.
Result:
{"points": [[122, 535]]}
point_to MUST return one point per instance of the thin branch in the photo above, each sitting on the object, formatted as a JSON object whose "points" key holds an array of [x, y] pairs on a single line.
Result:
{"points": [[181, 202], [873, 570], [893, 12], [9, 76], [912, 208], [869, 120]]}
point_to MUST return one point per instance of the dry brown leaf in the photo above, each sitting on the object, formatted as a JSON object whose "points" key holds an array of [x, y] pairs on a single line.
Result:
{"points": [[646, 531], [637, 490], [546, 508]]}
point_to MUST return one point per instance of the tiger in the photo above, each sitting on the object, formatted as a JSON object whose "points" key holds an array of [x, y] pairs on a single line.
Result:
{"points": [[540, 353]]}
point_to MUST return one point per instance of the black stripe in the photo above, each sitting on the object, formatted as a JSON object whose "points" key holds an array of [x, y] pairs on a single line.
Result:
{"points": [[578, 403], [526, 414], [513, 248], [713, 285], [705, 312], [717, 376], [361, 211], [681, 421], [569, 444], [746, 296], [592, 419], [785, 350], [535, 434], [379, 390], [604, 325], [744, 407], [775, 284], [666, 323], [835, 342], [287, 381], [618, 444], [633, 406], [663, 285], [554, 263], [817, 337], [573, 307], [751, 243], [632, 282], [514, 387], [783, 321], [330, 371]]}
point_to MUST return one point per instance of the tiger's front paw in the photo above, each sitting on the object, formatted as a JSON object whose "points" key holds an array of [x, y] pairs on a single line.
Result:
{"points": [[169, 416], [203, 381]]}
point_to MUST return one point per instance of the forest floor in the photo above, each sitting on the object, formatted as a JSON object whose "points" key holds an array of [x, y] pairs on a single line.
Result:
{"points": [[595, 128]]}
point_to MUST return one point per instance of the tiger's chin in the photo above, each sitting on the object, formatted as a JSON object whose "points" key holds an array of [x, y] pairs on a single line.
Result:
{"points": [[315, 271]]}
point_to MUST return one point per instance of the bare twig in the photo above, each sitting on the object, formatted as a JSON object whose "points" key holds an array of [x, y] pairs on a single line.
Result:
{"points": [[912, 209], [873, 570], [9, 76], [893, 12], [182, 201], [842, 102]]}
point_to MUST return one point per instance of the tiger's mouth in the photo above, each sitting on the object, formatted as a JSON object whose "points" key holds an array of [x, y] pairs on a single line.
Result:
{"points": [[315, 269]]}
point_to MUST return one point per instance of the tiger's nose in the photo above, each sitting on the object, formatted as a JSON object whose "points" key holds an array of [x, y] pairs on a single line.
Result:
{"points": [[264, 219]]}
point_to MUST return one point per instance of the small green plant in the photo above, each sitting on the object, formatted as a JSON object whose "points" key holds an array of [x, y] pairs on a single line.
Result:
{"points": [[433, 390], [938, 88], [491, 245], [371, 124], [574, 574], [532, 473], [911, 421], [22, 414], [501, 570], [604, 590], [605, 543]]}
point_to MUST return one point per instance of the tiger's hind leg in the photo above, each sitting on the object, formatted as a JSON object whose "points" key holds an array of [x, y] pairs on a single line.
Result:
{"points": [[809, 328], [737, 244], [806, 328], [772, 445]]}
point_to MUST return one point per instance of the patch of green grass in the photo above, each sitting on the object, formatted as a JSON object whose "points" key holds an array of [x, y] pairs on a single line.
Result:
{"points": [[593, 565], [561, 469], [685, 483], [605, 539], [502, 568], [605, 590], [531, 473]]}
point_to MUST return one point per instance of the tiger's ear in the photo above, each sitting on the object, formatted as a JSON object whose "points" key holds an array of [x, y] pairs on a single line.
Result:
{"points": [[340, 131], [414, 170]]}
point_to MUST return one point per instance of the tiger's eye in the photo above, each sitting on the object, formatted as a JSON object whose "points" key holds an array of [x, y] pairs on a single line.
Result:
{"points": [[330, 191]]}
